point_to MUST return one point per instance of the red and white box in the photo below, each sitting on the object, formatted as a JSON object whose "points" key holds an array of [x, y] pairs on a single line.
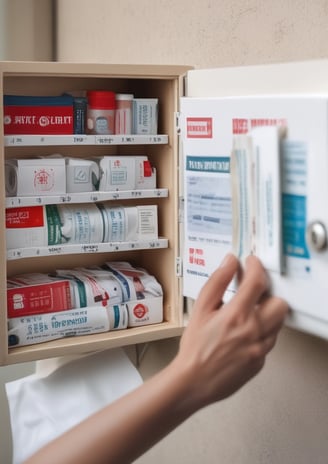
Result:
{"points": [[38, 115], [126, 173], [145, 312], [26, 226], [35, 177], [32, 294]]}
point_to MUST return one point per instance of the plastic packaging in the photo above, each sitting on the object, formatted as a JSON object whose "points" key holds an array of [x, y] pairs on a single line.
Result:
{"points": [[81, 223], [36, 293], [142, 293], [120, 224], [50, 326], [94, 286], [136, 283]]}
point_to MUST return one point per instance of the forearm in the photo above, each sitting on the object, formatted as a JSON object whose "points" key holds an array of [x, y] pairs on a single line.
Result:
{"points": [[128, 427]]}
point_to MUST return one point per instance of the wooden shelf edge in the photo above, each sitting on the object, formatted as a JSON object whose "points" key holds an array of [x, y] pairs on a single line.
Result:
{"points": [[91, 343]]}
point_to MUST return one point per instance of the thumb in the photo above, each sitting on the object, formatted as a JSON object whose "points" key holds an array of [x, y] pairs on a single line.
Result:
{"points": [[210, 296]]}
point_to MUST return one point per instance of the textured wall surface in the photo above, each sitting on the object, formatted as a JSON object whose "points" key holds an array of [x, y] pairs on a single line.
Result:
{"points": [[202, 33], [25, 34]]}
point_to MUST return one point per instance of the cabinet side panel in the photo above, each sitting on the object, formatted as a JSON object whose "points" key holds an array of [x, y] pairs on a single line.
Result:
{"points": [[3, 311]]}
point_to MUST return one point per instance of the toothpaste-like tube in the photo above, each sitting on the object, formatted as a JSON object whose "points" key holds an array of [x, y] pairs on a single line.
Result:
{"points": [[29, 330]]}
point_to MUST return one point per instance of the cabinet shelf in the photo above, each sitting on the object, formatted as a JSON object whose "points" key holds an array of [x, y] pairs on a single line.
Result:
{"points": [[55, 250], [156, 256], [85, 197], [82, 139], [81, 344]]}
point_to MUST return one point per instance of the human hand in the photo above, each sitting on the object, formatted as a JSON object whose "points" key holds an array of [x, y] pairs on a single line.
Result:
{"points": [[225, 345]]}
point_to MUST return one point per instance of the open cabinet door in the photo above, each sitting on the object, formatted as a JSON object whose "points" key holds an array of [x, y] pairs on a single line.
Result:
{"points": [[223, 109]]}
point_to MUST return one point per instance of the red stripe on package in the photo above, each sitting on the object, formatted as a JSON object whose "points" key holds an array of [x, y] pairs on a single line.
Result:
{"points": [[38, 299], [24, 216]]}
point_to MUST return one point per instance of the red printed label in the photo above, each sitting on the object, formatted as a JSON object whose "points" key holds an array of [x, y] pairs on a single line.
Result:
{"points": [[140, 311], [199, 128], [24, 217], [38, 120], [196, 256], [239, 126], [39, 299], [242, 125]]}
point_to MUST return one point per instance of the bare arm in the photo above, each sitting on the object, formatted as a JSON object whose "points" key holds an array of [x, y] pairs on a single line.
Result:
{"points": [[219, 352]]}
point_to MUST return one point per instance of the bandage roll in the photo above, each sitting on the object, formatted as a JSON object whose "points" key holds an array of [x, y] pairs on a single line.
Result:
{"points": [[11, 179], [120, 224], [81, 223], [38, 176]]}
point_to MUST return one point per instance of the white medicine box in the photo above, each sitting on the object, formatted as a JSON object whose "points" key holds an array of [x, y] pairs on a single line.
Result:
{"points": [[191, 157]]}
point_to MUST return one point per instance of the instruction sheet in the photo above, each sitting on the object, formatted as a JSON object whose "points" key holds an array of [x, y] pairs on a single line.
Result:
{"points": [[207, 198]]}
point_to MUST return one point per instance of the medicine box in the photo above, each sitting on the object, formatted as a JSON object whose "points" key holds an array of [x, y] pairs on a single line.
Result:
{"points": [[126, 173], [146, 311], [26, 226], [41, 115], [33, 295], [35, 177], [145, 115]]}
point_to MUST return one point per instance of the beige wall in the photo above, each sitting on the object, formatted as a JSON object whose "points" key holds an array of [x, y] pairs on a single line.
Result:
{"points": [[281, 417], [26, 30], [25, 34], [202, 33]]}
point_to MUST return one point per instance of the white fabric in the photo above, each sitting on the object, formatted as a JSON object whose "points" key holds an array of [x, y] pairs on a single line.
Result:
{"points": [[46, 404]]}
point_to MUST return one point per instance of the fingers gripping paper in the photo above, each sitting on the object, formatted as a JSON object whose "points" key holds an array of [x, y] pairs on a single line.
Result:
{"points": [[46, 404]]}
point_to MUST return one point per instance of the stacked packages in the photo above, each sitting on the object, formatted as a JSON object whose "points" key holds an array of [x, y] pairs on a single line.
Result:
{"points": [[51, 225], [58, 175], [81, 301]]}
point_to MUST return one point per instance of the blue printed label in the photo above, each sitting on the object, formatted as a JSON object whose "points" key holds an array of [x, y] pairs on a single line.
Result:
{"points": [[294, 199], [294, 225]]}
